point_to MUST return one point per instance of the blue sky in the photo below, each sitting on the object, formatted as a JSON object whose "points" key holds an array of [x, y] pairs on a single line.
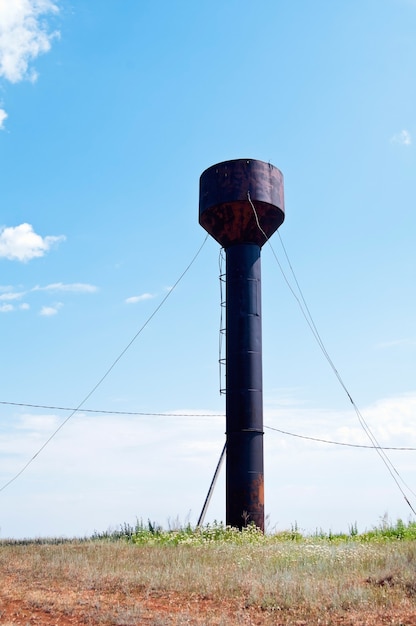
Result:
{"points": [[109, 113]]}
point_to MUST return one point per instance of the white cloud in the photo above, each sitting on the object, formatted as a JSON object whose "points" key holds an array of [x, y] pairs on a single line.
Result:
{"points": [[313, 484], [390, 421], [403, 138], [72, 287], [21, 243], [12, 295], [48, 311], [134, 299], [3, 116], [24, 35], [396, 343], [38, 424]]}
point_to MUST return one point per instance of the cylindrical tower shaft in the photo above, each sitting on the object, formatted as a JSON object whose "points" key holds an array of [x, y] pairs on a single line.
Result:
{"points": [[244, 396]]}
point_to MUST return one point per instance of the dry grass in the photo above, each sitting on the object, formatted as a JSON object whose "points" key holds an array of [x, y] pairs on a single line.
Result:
{"points": [[284, 582]]}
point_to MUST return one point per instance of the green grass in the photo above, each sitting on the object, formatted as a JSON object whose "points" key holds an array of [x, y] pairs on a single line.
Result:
{"points": [[151, 533]]}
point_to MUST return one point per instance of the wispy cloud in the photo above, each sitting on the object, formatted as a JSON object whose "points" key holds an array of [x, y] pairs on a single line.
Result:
{"points": [[21, 243], [24, 35], [6, 308], [12, 295], [69, 287], [390, 419], [48, 311], [396, 343], [403, 138], [7, 295], [141, 298], [305, 475], [39, 424], [3, 117]]}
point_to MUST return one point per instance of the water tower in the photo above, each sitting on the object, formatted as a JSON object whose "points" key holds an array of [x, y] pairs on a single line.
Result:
{"points": [[241, 205]]}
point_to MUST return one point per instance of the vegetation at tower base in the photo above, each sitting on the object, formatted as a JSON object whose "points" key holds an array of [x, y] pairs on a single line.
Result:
{"points": [[151, 533], [211, 576]]}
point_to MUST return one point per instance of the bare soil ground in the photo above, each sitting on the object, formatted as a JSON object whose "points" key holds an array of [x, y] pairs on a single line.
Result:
{"points": [[71, 604], [100, 583]]}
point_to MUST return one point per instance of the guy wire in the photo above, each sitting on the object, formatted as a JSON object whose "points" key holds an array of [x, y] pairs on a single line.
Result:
{"points": [[148, 414], [308, 317], [112, 366]]}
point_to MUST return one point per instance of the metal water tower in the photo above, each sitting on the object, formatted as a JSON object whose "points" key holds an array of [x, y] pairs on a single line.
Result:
{"points": [[241, 205]]}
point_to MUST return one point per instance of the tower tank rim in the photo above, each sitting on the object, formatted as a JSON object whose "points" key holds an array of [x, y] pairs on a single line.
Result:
{"points": [[241, 160]]}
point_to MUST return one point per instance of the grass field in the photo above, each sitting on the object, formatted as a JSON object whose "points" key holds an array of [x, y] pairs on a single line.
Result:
{"points": [[212, 576]]}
